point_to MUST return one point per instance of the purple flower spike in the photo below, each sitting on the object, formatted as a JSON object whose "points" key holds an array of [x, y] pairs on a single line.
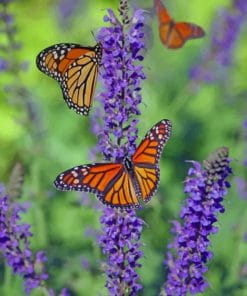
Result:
{"points": [[122, 231], [205, 188], [14, 245], [121, 77], [225, 33]]}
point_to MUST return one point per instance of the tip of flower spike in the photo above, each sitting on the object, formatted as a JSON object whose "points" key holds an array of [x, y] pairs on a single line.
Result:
{"points": [[217, 160]]}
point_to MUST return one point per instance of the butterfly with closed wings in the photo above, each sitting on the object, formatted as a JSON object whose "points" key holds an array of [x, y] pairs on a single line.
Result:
{"points": [[126, 183], [174, 34], [76, 69]]}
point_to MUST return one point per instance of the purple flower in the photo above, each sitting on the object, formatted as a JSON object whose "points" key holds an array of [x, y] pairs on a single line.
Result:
{"points": [[3, 65], [66, 9], [240, 181], [205, 189], [121, 76], [242, 187], [225, 32], [15, 246], [120, 242]]}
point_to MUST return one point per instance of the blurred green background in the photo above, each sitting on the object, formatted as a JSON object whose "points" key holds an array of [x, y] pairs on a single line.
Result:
{"points": [[38, 130]]}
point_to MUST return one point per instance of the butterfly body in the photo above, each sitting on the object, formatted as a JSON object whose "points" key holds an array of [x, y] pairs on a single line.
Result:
{"points": [[76, 69], [175, 34], [125, 183]]}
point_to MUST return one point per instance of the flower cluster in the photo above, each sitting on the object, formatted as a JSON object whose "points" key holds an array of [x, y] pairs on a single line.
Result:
{"points": [[225, 32], [11, 65], [121, 77], [66, 10], [10, 45], [240, 181], [205, 188], [122, 231], [15, 246]]}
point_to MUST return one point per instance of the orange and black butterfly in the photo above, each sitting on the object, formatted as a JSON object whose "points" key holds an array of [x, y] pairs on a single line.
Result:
{"points": [[173, 34], [76, 69], [126, 183]]}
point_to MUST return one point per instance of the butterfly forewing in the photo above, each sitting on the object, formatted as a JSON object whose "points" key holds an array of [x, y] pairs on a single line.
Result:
{"points": [[109, 181], [147, 156], [162, 13], [76, 69]]}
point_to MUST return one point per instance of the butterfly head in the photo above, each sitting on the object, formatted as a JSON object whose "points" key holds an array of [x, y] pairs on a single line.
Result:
{"points": [[128, 165]]}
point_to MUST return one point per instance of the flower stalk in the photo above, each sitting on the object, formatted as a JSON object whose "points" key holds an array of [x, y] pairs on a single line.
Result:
{"points": [[205, 188]]}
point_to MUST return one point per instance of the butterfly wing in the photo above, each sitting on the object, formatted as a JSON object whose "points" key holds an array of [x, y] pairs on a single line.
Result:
{"points": [[146, 158], [172, 34], [181, 32], [162, 13], [109, 181], [76, 70]]}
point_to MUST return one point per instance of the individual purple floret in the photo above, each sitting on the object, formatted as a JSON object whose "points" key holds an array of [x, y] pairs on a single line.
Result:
{"points": [[15, 246], [225, 33], [205, 188]]}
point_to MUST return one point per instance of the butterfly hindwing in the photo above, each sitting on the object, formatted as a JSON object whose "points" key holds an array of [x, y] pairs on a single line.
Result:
{"points": [[109, 181], [146, 158], [76, 69]]}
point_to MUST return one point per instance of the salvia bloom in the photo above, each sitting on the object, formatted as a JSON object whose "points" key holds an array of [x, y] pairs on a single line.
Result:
{"points": [[121, 79], [66, 10], [120, 242], [225, 32], [15, 247], [205, 188], [240, 181], [121, 76], [9, 43]]}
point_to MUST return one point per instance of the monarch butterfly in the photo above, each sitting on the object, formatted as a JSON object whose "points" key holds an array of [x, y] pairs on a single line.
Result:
{"points": [[76, 69], [173, 34], [125, 183]]}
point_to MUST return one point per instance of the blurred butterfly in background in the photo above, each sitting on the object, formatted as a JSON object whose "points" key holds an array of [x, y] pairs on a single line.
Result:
{"points": [[172, 34], [126, 183], [76, 69]]}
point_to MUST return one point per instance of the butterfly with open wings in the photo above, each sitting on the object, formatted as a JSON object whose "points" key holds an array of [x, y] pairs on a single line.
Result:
{"points": [[122, 184], [174, 34], [76, 69]]}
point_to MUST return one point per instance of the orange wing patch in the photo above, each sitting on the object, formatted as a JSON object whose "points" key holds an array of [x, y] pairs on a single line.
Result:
{"points": [[110, 182], [162, 13], [149, 150], [122, 193], [146, 152], [148, 180]]}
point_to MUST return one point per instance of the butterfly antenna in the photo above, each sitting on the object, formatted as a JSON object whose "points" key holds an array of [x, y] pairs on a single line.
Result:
{"points": [[94, 36]]}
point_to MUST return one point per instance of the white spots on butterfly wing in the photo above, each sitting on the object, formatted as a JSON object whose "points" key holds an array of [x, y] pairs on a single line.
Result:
{"points": [[55, 55]]}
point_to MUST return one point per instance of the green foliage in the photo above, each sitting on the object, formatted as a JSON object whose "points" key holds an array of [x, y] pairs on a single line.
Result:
{"points": [[56, 139]]}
